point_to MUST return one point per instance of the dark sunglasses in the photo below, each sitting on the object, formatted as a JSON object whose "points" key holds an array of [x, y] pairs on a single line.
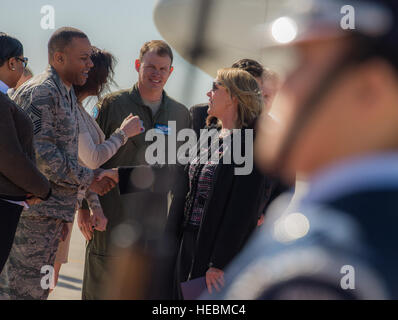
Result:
{"points": [[24, 61], [215, 84]]}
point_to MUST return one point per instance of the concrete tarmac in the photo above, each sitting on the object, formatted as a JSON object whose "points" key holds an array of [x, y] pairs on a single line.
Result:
{"points": [[70, 280]]}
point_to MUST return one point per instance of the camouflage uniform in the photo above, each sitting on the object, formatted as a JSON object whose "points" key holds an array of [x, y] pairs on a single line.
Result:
{"points": [[53, 113], [30, 254]]}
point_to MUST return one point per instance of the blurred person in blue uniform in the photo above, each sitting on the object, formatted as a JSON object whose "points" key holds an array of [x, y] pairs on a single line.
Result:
{"points": [[340, 132]]}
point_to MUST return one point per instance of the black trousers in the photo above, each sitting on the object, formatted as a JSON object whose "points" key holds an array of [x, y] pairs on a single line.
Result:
{"points": [[187, 252], [9, 217]]}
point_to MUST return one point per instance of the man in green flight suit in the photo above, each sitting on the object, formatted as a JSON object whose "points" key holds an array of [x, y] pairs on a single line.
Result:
{"points": [[149, 101]]}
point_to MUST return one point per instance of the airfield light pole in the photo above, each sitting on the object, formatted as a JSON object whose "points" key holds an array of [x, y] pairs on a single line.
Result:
{"points": [[197, 49]]}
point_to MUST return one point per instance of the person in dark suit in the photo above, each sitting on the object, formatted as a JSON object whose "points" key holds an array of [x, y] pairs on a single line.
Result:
{"points": [[339, 241], [21, 183], [215, 211], [199, 115]]}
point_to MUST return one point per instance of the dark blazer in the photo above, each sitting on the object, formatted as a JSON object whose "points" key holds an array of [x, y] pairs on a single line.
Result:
{"points": [[226, 225], [273, 188], [18, 172], [231, 217], [198, 115]]}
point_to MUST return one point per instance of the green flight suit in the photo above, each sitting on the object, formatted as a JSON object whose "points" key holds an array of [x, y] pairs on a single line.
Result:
{"points": [[113, 110]]}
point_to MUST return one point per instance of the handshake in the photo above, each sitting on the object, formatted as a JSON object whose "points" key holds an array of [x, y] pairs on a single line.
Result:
{"points": [[104, 181]]}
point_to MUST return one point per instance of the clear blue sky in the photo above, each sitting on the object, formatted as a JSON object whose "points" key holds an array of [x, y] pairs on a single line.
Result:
{"points": [[119, 26]]}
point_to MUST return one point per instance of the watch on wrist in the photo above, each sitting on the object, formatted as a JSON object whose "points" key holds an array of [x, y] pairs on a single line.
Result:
{"points": [[124, 135]]}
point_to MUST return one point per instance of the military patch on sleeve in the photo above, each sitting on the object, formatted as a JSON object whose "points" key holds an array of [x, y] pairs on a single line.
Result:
{"points": [[35, 115]]}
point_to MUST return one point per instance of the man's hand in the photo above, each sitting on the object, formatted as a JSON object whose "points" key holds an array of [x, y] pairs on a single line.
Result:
{"points": [[65, 231], [84, 223], [214, 277], [102, 186], [110, 173], [32, 200], [98, 219]]}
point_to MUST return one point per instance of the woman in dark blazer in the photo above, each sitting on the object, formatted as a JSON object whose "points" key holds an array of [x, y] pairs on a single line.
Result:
{"points": [[21, 183], [214, 209]]}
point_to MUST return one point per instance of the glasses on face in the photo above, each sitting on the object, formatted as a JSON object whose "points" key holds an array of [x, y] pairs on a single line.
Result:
{"points": [[215, 86], [24, 61]]}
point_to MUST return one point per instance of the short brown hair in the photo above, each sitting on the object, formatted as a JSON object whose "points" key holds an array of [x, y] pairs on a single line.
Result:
{"points": [[160, 47], [252, 66], [62, 37]]}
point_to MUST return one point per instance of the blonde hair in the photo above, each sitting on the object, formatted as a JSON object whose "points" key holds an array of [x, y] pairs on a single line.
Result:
{"points": [[242, 85]]}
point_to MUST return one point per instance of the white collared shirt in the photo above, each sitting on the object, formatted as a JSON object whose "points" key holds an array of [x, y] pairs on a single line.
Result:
{"points": [[377, 171]]}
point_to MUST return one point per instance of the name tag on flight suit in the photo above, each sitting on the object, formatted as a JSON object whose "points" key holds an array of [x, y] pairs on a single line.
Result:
{"points": [[161, 128]]}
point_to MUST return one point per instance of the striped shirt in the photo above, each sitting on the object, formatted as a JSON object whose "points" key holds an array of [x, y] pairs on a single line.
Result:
{"points": [[204, 182]]}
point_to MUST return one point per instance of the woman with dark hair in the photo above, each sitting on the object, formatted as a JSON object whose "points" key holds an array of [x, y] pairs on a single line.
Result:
{"points": [[94, 149], [21, 183]]}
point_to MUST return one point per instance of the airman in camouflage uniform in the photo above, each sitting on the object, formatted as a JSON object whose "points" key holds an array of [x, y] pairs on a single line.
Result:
{"points": [[34, 247], [53, 113]]}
